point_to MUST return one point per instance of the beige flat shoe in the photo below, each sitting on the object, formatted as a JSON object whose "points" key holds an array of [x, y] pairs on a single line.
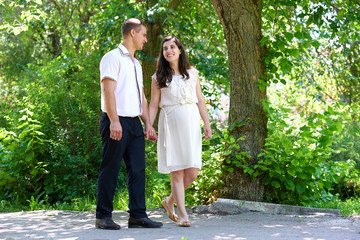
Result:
{"points": [[171, 215], [184, 223]]}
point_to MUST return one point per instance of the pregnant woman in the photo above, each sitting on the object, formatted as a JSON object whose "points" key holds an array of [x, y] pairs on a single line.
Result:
{"points": [[176, 90]]}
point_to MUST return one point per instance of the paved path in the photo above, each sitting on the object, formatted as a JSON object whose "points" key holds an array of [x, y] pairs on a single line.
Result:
{"points": [[67, 225]]}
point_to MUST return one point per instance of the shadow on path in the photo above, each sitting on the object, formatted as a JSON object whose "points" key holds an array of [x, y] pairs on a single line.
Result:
{"points": [[68, 225]]}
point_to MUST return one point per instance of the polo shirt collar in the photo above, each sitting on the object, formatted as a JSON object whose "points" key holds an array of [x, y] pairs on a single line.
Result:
{"points": [[124, 50]]}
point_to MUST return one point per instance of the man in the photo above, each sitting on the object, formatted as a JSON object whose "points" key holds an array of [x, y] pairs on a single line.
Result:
{"points": [[122, 102]]}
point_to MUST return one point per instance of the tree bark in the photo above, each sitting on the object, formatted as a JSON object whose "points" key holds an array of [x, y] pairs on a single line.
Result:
{"points": [[151, 51], [241, 20]]}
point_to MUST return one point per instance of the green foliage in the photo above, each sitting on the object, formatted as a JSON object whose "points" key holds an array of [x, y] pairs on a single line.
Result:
{"points": [[50, 110], [298, 165], [234, 159], [22, 167], [349, 207], [349, 140], [51, 147], [296, 162], [303, 159]]}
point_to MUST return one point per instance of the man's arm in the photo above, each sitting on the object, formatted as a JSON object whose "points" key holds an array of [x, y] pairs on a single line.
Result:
{"points": [[149, 130], [110, 105]]}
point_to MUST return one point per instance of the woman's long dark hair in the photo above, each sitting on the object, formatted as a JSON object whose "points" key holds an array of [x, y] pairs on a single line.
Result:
{"points": [[163, 70]]}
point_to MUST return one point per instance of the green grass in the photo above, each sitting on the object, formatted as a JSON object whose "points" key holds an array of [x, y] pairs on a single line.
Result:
{"points": [[78, 204], [87, 204], [349, 207], [158, 187]]}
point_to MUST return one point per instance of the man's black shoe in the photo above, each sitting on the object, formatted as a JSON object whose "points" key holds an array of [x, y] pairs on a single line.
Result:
{"points": [[106, 223], [143, 223]]}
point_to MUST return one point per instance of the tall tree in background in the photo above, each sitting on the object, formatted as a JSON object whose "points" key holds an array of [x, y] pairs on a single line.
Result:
{"points": [[241, 21], [156, 15]]}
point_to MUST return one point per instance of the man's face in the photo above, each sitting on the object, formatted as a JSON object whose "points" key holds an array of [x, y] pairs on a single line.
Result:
{"points": [[140, 38]]}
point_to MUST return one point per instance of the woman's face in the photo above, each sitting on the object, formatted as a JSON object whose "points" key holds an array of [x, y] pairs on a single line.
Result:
{"points": [[171, 51]]}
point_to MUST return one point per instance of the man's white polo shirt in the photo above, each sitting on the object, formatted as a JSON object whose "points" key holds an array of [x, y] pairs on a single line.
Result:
{"points": [[126, 71]]}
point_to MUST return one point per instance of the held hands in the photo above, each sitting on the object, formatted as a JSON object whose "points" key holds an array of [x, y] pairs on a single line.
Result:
{"points": [[150, 133], [116, 132], [207, 132]]}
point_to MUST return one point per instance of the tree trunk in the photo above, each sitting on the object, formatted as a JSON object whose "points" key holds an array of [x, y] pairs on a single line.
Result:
{"points": [[241, 21], [151, 51]]}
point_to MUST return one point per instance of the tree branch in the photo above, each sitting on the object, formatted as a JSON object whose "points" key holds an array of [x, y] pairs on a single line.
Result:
{"points": [[174, 4], [335, 7]]}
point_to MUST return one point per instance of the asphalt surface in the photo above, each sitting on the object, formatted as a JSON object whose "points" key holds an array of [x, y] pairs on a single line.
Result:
{"points": [[68, 225]]}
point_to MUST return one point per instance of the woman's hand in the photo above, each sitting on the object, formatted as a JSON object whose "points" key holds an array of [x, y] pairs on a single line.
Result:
{"points": [[150, 133], [207, 132]]}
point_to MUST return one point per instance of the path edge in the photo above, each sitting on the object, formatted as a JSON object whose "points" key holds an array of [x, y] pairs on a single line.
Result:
{"points": [[232, 206]]}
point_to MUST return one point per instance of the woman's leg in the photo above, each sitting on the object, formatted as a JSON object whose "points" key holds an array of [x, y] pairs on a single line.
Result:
{"points": [[178, 191], [190, 175], [180, 181]]}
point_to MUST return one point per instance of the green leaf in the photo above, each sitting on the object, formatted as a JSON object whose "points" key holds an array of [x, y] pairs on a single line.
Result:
{"points": [[264, 40], [325, 140], [291, 172], [315, 44], [248, 170], [295, 163], [294, 52], [29, 157], [205, 142], [300, 187], [290, 185], [289, 36], [275, 184], [299, 153], [285, 65], [305, 128], [298, 35], [39, 133]]}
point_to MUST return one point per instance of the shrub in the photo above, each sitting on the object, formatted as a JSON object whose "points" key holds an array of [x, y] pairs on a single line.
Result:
{"points": [[50, 141], [348, 140]]}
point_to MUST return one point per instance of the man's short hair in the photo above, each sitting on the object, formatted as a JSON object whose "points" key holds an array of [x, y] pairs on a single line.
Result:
{"points": [[132, 23]]}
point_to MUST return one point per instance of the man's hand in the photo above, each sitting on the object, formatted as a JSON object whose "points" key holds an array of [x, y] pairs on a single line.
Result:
{"points": [[150, 133], [115, 131]]}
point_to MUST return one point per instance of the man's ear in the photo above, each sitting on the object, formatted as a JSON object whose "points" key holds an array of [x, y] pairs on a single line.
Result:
{"points": [[132, 32]]}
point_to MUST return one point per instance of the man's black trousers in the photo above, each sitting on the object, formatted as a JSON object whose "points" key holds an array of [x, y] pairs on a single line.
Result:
{"points": [[131, 148]]}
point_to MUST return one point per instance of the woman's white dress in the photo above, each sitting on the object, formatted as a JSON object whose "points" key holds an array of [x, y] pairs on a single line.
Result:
{"points": [[179, 134]]}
